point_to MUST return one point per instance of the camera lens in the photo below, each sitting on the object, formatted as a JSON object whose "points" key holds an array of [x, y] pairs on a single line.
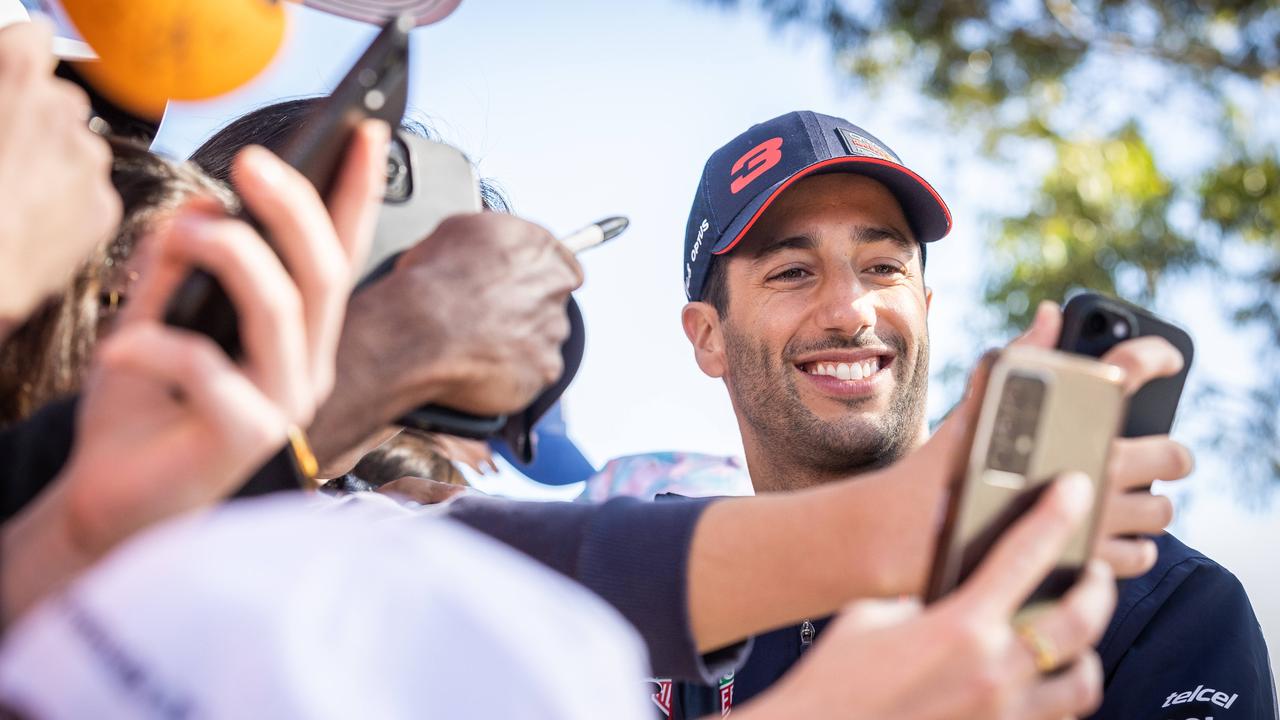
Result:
{"points": [[399, 184], [1095, 325]]}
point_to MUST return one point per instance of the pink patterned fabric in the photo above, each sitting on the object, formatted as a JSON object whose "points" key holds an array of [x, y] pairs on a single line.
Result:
{"points": [[650, 474]]}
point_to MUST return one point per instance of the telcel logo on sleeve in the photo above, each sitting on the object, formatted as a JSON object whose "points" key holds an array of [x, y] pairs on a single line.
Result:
{"points": [[1201, 694]]}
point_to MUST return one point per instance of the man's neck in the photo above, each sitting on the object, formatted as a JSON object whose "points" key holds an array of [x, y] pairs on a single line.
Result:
{"points": [[771, 473]]}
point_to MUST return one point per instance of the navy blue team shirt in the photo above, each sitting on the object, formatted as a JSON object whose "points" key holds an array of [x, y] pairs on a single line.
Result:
{"points": [[1184, 644]]}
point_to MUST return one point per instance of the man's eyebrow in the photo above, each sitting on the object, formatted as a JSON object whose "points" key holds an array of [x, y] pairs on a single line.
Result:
{"points": [[864, 234], [794, 242]]}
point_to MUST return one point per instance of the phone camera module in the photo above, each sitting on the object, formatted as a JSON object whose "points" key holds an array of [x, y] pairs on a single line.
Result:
{"points": [[1017, 415], [1096, 324], [399, 183]]}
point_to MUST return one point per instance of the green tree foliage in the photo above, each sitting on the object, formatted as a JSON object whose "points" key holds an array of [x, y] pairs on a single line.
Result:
{"points": [[1085, 92]]}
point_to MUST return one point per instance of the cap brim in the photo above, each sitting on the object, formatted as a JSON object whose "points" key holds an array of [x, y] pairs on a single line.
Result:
{"points": [[557, 462], [924, 209]]}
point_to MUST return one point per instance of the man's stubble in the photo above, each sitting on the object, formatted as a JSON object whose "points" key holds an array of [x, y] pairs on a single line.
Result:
{"points": [[800, 448]]}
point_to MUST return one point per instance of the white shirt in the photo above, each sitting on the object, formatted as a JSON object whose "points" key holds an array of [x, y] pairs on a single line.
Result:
{"points": [[271, 609]]}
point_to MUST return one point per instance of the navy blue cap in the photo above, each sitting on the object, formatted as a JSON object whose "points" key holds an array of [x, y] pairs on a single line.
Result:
{"points": [[742, 179], [558, 461]]}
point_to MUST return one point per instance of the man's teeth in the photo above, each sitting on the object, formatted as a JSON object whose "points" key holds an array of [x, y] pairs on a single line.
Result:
{"points": [[846, 371]]}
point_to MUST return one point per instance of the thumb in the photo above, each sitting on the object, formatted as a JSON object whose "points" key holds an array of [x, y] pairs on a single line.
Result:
{"points": [[1045, 328]]}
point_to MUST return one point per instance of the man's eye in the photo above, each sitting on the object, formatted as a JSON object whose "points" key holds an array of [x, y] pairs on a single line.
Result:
{"points": [[885, 269], [791, 274]]}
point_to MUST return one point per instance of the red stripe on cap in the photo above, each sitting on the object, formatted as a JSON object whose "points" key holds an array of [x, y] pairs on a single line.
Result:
{"points": [[837, 161]]}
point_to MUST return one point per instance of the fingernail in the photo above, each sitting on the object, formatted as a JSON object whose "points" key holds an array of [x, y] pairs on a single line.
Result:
{"points": [[1077, 492], [189, 231], [192, 224], [1043, 309], [264, 164], [379, 131]]}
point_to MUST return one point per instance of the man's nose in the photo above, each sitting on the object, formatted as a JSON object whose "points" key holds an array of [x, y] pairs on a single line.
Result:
{"points": [[845, 306]]}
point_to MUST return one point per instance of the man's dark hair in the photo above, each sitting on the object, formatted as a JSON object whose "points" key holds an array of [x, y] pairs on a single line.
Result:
{"points": [[715, 291], [271, 127]]}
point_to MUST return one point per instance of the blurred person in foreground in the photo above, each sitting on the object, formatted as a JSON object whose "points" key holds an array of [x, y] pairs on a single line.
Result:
{"points": [[168, 423], [804, 268], [45, 359], [54, 191]]}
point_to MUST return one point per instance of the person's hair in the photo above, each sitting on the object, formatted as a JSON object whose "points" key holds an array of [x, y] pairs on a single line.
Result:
{"points": [[45, 358], [412, 453], [271, 127], [715, 290]]}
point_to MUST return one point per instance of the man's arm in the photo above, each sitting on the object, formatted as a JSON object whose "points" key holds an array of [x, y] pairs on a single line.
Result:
{"points": [[635, 555], [763, 562], [697, 576]]}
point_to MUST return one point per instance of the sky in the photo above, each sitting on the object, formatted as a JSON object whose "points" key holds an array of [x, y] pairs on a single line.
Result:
{"points": [[584, 110]]}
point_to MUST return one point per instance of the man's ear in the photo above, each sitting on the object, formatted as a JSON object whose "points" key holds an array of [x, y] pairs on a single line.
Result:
{"points": [[702, 327], [928, 298]]}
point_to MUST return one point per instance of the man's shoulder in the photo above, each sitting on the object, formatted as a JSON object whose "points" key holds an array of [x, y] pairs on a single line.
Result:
{"points": [[1184, 580], [1185, 642]]}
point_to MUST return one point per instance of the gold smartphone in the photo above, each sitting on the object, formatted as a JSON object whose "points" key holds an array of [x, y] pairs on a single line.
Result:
{"points": [[1043, 413]]}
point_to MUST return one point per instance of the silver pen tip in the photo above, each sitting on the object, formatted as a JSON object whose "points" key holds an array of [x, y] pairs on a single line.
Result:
{"points": [[613, 227]]}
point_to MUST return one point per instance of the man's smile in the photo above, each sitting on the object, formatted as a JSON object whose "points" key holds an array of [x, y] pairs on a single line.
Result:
{"points": [[847, 373]]}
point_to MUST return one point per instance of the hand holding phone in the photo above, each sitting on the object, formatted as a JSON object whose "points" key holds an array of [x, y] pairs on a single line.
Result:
{"points": [[376, 87], [1043, 414]]}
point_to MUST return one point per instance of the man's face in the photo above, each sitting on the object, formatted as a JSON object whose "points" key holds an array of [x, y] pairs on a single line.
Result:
{"points": [[825, 339]]}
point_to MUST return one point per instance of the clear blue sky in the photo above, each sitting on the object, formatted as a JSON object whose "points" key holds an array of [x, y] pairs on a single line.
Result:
{"points": [[582, 110]]}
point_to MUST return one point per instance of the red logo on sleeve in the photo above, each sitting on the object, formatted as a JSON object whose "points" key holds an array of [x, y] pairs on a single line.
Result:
{"points": [[756, 161]]}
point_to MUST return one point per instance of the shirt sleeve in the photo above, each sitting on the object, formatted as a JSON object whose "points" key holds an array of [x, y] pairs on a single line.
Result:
{"points": [[33, 451], [1190, 648], [633, 554]]}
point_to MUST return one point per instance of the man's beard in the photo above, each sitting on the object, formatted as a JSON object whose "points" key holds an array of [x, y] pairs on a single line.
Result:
{"points": [[764, 390]]}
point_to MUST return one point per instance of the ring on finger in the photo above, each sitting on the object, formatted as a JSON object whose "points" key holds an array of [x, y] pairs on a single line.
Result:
{"points": [[303, 457], [1043, 650]]}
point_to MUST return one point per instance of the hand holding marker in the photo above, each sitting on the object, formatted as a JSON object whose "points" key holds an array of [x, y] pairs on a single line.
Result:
{"points": [[595, 234]]}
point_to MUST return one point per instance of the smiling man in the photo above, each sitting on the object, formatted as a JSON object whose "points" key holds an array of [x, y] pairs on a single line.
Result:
{"points": [[804, 266], [820, 381]]}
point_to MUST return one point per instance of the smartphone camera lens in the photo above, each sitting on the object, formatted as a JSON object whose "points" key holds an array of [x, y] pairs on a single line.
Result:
{"points": [[399, 184], [1096, 324], [1017, 415]]}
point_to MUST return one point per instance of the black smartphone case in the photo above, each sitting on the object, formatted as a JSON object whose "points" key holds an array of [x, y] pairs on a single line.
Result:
{"points": [[1153, 407]]}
